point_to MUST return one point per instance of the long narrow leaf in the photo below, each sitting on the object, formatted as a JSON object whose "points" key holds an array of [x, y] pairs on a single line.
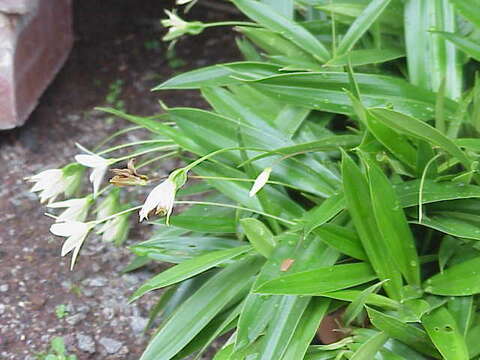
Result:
{"points": [[195, 313], [264, 15], [361, 25], [444, 332], [188, 269], [359, 204]]}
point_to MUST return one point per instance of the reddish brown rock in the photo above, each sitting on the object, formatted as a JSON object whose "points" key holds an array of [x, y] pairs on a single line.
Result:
{"points": [[35, 39]]}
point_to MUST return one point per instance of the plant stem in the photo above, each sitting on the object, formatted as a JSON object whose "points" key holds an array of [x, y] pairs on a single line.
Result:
{"points": [[145, 152], [132, 144], [230, 23], [115, 134], [117, 214]]}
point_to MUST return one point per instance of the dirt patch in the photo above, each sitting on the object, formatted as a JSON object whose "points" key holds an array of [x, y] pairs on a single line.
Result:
{"points": [[117, 42]]}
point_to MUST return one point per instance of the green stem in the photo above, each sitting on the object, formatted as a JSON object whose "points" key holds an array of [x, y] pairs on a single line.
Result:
{"points": [[208, 156], [132, 144], [235, 207], [115, 134], [144, 152], [117, 214], [230, 23], [147, 162]]}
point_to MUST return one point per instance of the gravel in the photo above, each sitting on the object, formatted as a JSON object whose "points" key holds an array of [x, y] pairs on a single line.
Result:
{"points": [[86, 343], [110, 345]]}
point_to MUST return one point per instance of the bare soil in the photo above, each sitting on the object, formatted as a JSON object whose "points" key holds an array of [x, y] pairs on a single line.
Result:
{"points": [[115, 40]]}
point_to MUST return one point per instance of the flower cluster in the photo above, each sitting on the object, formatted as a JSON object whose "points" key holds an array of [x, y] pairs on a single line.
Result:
{"points": [[112, 218]]}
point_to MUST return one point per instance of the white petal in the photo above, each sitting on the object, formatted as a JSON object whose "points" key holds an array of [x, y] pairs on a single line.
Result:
{"points": [[69, 228], [45, 179], [74, 256], [71, 243], [96, 178], [68, 203], [260, 181], [92, 161]]}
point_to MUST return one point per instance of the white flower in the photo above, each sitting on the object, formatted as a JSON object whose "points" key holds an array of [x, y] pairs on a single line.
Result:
{"points": [[178, 27], [99, 166], [183, 2], [51, 183], [160, 198], [75, 232], [260, 181], [76, 209]]}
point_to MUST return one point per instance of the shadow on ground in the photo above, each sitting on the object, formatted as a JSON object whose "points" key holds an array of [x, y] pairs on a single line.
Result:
{"points": [[117, 41]]}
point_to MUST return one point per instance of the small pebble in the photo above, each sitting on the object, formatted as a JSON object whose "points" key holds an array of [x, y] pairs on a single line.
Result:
{"points": [[110, 345], [86, 343]]}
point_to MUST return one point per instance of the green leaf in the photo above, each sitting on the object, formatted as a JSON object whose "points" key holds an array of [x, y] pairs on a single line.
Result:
{"points": [[396, 143], [366, 57], [327, 143], [347, 10], [430, 59], [447, 249], [359, 204], [452, 226], [420, 130], [462, 310], [276, 45], [408, 192], [256, 314], [372, 299], [221, 324], [355, 307], [176, 249], [259, 236], [283, 7], [282, 327], [249, 52], [259, 309], [392, 223], [413, 310], [416, 25], [306, 329], [370, 348], [408, 334], [469, 10], [473, 344], [188, 269], [361, 24], [290, 118], [219, 75], [324, 212], [325, 91], [344, 240], [289, 29], [200, 308], [225, 353], [470, 47], [457, 280], [444, 332], [319, 280]]}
